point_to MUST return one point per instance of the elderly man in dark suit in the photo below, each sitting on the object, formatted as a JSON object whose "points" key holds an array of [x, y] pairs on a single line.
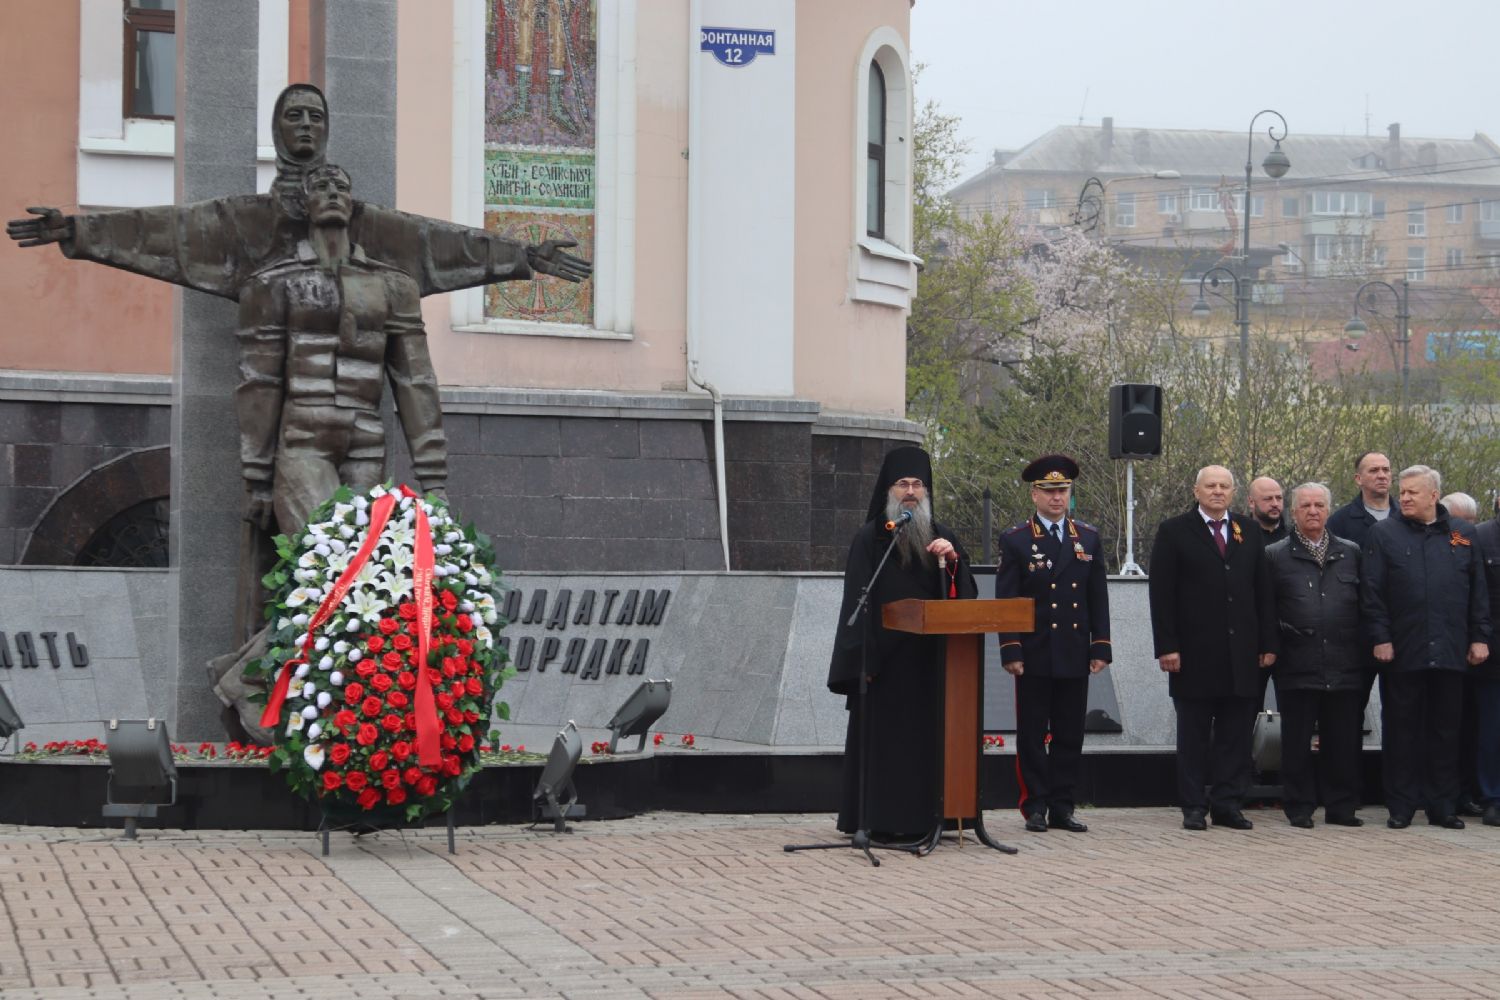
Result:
{"points": [[1487, 679], [1213, 625]]}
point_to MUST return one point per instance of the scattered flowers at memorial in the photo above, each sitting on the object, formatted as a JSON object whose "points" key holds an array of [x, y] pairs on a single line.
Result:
{"points": [[382, 667], [995, 742]]}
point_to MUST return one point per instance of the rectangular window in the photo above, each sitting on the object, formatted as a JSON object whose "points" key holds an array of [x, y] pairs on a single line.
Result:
{"points": [[1377, 208], [150, 59], [1039, 198], [1330, 249], [1456, 212], [1340, 203], [1291, 208], [1416, 219], [1489, 211], [1416, 263], [1205, 200], [1454, 257], [1166, 204], [1125, 211], [875, 155], [1377, 256], [1257, 204]]}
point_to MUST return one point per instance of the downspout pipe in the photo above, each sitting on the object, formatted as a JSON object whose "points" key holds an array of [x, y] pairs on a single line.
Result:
{"points": [[719, 478]]}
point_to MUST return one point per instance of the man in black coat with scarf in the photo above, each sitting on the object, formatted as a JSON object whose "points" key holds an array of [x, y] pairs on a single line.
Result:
{"points": [[1213, 627], [1427, 615], [902, 704]]}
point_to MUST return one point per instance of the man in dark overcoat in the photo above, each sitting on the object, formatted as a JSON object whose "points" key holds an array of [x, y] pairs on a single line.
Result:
{"points": [[1058, 562], [1320, 659], [1427, 616], [1487, 679], [1213, 627], [902, 705]]}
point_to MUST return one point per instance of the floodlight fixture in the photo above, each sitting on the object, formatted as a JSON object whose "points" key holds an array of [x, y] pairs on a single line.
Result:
{"points": [[557, 780], [10, 719], [140, 761], [646, 704]]}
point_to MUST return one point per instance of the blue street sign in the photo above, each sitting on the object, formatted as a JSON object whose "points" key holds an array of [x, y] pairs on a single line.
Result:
{"points": [[736, 46]]}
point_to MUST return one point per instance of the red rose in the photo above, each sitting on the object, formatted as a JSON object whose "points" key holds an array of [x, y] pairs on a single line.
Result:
{"points": [[401, 750], [371, 706], [444, 699], [463, 623], [332, 780], [388, 625], [407, 680], [454, 716], [390, 778], [475, 667], [471, 716], [397, 699], [452, 767], [392, 660], [343, 719], [449, 741], [367, 668], [410, 721], [395, 796], [367, 734], [378, 760], [465, 743], [411, 775], [381, 682], [434, 677], [353, 692], [427, 787], [408, 610], [474, 686], [450, 666], [356, 780], [465, 647], [391, 723], [458, 689], [369, 798], [376, 643], [448, 599], [339, 753], [402, 641]]}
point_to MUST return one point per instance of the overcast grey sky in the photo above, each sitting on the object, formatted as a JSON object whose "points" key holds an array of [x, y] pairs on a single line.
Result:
{"points": [[1012, 69]]}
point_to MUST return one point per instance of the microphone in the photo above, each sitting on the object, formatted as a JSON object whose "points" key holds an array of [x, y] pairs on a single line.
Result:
{"points": [[901, 521]]}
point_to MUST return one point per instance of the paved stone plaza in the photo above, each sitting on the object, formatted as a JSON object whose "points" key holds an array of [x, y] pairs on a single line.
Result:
{"points": [[687, 906]]}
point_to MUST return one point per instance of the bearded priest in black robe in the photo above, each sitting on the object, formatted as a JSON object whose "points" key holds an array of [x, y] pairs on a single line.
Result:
{"points": [[904, 698]]}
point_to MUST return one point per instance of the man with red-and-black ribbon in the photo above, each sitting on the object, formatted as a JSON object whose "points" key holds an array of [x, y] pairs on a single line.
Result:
{"points": [[1058, 562]]}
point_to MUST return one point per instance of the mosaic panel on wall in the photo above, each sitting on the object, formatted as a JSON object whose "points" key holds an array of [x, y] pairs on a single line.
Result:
{"points": [[539, 145]]}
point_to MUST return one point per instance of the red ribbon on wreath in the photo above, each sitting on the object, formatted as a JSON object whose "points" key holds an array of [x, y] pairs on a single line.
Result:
{"points": [[428, 749]]}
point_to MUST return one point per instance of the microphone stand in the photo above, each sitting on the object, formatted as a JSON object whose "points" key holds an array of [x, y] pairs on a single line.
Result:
{"points": [[860, 840]]}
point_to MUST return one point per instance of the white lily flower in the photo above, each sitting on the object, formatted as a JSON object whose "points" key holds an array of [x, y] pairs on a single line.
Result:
{"points": [[323, 550], [363, 603], [295, 723], [324, 700], [341, 511], [301, 671], [484, 636], [490, 617], [355, 655], [283, 622], [360, 503], [400, 561], [307, 560], [308, 541], [336, 679], [314, 731], [338, 545], [310, 712], [426, 508], [406, 503], [326, 663], [313, 754], [337, 563], [314, 593], [298, 597]]}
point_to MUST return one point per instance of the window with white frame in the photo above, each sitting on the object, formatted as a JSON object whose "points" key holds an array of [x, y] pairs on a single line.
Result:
{"points": [[150, 58], [1378, 255], [1166, 204], [1456, 212], [1291, 208], [1377, 208], [875, 154], [1205, 200], [1125, 211], [884, 268], [1454, 257], [1489, 211], [1337, 248], [1416, 219], [1416, 263], [1037, 199], [1257, 204], [1340, 203]]}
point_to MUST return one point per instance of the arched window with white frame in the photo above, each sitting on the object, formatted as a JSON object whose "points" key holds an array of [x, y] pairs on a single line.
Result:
{"points": [[885, 270]]}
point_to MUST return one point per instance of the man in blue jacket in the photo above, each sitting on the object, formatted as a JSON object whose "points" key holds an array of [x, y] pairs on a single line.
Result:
{"points": [[1426, 609]]}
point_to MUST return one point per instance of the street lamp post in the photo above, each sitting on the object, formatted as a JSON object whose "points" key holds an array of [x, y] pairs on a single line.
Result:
{"points": [[1091, 196], [1276, 164], [1356, 327]]}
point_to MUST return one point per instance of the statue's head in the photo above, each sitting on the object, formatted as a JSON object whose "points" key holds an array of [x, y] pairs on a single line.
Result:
{"points": [[329, 201], [299, 124]]}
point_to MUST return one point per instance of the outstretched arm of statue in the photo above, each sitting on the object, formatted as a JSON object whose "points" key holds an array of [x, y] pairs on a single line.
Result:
{"points": [[414, 384], [548, 258], [48, 225]]}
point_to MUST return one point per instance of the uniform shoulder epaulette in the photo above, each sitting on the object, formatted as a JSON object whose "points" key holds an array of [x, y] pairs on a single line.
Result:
{"points": [[1022, 526], [1086, 526]]}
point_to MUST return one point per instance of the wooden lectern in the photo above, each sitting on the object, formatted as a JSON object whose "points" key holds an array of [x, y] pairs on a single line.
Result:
{"points": [[963, 624]]}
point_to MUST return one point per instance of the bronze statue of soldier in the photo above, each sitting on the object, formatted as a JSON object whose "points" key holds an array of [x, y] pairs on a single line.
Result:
{"points": [[308, 409]]}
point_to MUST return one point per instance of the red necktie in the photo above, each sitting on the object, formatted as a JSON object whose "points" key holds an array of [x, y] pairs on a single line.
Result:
{"points": [[1214, 526]]}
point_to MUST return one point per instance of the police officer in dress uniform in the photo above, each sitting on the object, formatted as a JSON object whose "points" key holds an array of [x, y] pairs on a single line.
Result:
{"points": [[1057, 562]]}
